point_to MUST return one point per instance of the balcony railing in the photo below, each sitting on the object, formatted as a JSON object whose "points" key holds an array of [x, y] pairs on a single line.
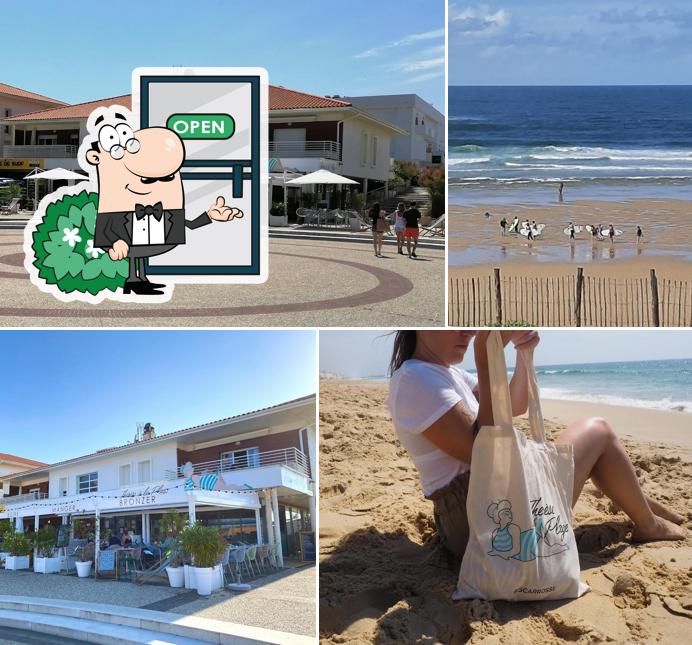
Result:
{"points": [[24, 497], [290, 457], [323, 149], [39, 152]]}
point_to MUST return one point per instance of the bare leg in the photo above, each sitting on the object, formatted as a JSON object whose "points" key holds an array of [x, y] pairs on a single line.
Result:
{"points": [[599, 455], [374, 242]]}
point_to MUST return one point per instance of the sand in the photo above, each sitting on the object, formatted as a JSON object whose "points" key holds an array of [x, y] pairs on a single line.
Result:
{"points": [[384, 579]]}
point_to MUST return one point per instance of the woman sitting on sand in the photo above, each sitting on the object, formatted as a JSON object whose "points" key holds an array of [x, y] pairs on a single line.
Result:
{"points": [[438, 408]]}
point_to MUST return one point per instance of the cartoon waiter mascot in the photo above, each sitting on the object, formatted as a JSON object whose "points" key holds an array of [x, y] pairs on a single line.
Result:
{"points": [[141, 208]]}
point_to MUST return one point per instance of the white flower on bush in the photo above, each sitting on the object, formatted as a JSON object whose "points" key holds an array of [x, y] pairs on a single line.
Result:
{"points": [[71, 236], [94, 251]]}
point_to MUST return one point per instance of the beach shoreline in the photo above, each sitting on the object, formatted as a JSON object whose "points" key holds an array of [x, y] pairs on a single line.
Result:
{"points": [[384, 579]]}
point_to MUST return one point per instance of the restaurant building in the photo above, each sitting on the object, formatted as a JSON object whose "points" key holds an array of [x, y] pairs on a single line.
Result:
{"points": [[16, 101], [307, 132], [251, 475]]}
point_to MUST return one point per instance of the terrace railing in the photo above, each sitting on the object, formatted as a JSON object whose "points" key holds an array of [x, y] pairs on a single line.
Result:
{"points": [[323, 149], [24, 497], [39, 152], [290, 457]]}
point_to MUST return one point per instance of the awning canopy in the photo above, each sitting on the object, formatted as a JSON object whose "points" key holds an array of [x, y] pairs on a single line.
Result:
{"points": [[321, 177], [55, 173]]}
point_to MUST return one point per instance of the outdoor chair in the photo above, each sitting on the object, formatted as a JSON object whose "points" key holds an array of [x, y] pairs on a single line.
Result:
{"points": [[307, 215], [250, 557], [274, 555], [224, 562], [436, 228], [236, 558], [12, 207], [262, 556], [70, 552], [131, 560]]}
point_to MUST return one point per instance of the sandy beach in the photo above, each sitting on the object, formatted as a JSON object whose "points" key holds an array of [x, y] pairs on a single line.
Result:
{"points": [[667, 243], [384, 579]]}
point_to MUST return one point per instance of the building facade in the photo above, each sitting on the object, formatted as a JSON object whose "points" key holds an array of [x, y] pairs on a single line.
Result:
{"points": [[424, 140], [251, 475], [15, 101]]}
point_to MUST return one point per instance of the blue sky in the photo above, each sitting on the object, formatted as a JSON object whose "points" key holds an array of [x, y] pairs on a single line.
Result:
{"points": [[367, 353], [79, 50], [68, 393], [571, 42]]}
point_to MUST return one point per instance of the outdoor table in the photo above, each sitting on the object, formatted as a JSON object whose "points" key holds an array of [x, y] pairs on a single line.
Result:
{"points": [[119, 554]]}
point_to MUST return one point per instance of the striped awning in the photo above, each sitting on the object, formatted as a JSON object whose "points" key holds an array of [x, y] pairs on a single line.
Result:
{"points": [[275, 165]]}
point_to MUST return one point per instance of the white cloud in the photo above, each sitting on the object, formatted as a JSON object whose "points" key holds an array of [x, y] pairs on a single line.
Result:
{"points": [[421, 78], [410, 39], [478, 20], [418, 65]]}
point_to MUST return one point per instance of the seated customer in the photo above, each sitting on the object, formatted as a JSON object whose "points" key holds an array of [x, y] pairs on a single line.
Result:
{"points": [[113, 540]]}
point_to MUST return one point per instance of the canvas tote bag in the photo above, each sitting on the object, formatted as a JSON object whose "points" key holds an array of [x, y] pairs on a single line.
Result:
{"points": [[521, 544]]}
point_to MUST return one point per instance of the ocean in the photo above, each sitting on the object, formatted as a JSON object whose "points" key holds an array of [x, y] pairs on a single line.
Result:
{"points": [[657, 385], [516, 144]]}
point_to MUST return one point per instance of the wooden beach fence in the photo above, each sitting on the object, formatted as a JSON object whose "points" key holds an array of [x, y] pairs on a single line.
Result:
{"points": [[570, 301]]}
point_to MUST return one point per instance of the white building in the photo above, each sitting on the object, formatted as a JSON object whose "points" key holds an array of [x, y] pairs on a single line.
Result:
{"points": [[262, 490], [15, 101], [10, 464], [424, 140]]}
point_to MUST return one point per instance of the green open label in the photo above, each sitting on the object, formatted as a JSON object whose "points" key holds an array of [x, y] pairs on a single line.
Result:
{"points": [[202, 126]]}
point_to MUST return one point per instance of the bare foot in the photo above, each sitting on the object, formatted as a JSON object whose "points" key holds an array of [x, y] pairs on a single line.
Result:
{"points": [[662, 511], [662, 529]]}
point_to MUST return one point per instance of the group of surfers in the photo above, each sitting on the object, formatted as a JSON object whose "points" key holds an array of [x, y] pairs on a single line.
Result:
{"points": [[599, 231]]}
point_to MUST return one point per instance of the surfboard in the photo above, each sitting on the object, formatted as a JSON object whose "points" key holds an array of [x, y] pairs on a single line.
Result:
{"points": [[537, 230], [513, 227], [577, 229]]}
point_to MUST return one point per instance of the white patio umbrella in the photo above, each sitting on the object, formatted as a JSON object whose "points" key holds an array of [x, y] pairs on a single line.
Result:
{"points": [[321, 177], [53, 174]]}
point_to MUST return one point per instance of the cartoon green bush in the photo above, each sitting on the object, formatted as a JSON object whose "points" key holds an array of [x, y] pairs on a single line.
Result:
{"points": [[63, 246]]}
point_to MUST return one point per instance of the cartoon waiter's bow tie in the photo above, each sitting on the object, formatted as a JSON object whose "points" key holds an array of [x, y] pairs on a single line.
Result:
{"points": [[142, 211]]}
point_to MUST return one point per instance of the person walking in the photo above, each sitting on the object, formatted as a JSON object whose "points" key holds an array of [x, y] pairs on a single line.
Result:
{"points": [[412, 215], [399, 227], [378, 226], [640, 234], [560, 191], [503, 225]]}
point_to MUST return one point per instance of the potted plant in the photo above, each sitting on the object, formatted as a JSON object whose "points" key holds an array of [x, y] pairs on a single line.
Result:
{"points": [[19, 549], [205, 546], [5, 530], [44, 543], [84, 558], [277, 215], [172, 525]]}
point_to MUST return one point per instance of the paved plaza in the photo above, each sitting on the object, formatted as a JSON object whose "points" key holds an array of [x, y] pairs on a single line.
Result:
{"points": [[312, 282]]}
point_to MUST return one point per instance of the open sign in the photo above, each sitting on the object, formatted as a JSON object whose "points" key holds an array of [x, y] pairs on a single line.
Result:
{"points": [[202, 126]]}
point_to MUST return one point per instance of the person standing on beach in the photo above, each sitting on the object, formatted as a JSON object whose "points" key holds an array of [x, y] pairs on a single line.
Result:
{"points": [[560, 190], [572, 232], [378, 226], [611, 233], [438, 408], [412, 215], [399, 227], [503, 225], [640, 234]]}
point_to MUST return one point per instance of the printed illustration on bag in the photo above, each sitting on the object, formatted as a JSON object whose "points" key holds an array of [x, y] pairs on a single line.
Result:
{"points": [[547, 537]]}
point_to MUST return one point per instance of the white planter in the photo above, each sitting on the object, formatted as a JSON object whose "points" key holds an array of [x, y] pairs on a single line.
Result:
{"points": [[278, 220], [17, 562], [176, 576], [47, 565], [354, 223], [83, 569], [205, 580], [192, 582]]}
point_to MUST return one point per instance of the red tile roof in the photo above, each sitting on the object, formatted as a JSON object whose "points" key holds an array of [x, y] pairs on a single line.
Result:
{"points": [[280, 98], [236, 417], [25, 94], [20, 460]]}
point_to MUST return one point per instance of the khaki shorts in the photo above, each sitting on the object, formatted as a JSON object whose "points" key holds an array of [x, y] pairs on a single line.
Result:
{"points": [[450, 514]]}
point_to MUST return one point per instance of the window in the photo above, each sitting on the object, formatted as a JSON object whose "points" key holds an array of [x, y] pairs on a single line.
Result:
{"points": [[363, 148], [47, 139], [124, 475], [248, 458], [87, 483], [374, 151], [62, 486], [8, 112], [144, 471]]}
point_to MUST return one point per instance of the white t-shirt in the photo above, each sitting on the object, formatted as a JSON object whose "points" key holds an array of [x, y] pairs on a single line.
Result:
{"points": [[419, 394]]}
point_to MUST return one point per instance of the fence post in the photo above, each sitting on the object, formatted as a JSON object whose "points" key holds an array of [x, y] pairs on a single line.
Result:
{"points": [[498, 297], [580, 289], [654, 299]]}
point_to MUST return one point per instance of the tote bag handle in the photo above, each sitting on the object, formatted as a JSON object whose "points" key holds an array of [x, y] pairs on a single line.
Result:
{"points": [[499, 387]]}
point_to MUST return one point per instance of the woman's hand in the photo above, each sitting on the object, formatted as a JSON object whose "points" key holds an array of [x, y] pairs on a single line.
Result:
{"points": [[521, 338]]}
